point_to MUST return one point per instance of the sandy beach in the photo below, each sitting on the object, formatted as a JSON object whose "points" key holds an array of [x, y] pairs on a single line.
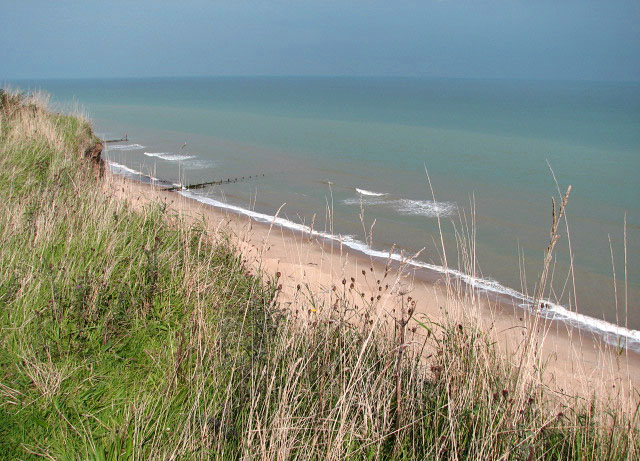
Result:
{"points": [[575, 362]]}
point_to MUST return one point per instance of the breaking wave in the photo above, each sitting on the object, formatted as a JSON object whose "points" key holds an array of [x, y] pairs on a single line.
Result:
{"points": [[169, 157], [370, 193], [125, 147]]}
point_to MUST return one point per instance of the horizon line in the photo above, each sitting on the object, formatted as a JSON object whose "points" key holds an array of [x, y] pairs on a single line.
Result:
{"points": [[311, 76]]}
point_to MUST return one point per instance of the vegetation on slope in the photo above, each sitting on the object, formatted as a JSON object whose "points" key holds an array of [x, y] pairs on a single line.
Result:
{"points": [[132, 334]]}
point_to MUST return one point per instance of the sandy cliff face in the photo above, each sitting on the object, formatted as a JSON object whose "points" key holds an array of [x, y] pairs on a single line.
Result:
{"points": [[93, 153]]}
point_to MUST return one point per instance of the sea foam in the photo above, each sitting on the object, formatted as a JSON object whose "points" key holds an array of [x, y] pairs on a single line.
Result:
{"points": [[428, 208], [125, 147], [169, 157], [368, 201]]}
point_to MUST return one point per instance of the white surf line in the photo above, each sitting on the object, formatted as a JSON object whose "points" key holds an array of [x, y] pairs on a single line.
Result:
{"points": [[610, 332], [131, 171]]}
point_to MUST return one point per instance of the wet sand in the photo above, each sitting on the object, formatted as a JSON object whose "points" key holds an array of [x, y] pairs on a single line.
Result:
{"points": [[576, 362]]}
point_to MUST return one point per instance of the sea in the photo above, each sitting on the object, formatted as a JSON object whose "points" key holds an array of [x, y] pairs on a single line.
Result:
{"points": [[389, 165]]}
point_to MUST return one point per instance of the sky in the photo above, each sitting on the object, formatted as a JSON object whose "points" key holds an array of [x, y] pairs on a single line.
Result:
{"points": [[523, 39]]}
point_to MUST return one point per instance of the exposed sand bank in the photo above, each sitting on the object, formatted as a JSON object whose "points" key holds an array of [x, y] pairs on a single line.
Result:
{"points": [[576, 362]]}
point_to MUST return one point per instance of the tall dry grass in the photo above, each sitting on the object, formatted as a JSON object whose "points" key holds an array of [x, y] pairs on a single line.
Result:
{"points": [[131, 333]]}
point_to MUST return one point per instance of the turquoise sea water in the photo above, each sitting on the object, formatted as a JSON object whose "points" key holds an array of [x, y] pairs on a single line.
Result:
{"points": [[314, 141]]}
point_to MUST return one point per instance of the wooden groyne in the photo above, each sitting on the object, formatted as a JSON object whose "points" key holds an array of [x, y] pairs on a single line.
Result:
{"points": [[214, 183], [192, 186], [126, 138]]}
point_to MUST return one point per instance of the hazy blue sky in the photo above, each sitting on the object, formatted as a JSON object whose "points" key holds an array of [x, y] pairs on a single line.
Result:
{"points": [[549, 39]]}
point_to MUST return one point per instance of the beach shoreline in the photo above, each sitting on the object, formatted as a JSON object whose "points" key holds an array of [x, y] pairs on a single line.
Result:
{"points": [[576, 362]]}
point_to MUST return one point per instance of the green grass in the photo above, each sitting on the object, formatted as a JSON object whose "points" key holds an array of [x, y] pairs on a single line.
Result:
{"points": [[132, 334], [102, 308]]}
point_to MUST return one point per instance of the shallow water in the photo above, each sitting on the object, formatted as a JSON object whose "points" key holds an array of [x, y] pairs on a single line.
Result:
{"points": [[324, 147]]}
